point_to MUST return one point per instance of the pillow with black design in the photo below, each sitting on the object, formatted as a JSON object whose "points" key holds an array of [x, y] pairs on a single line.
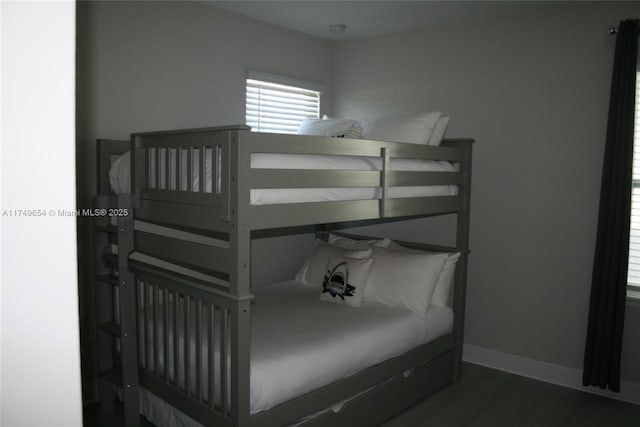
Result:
{"points": [[345, 279], [313, 270]]}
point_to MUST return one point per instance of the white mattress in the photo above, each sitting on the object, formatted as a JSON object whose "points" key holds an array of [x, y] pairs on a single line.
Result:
{"points": [[300, 343], [120, 177]]}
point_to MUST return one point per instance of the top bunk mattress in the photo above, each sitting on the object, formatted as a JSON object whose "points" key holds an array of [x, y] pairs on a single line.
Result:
{"points": [[120, 177]]}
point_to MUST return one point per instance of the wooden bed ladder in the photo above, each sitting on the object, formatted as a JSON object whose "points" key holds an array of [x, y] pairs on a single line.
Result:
{"points": [[116, 330]]}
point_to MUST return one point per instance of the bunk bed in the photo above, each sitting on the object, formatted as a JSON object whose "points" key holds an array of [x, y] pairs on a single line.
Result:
{"points": [[183, 267]]}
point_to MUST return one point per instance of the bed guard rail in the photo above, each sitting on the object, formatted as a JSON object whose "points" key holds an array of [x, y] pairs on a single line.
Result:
{"points": [[190, 345], [202, 178]]}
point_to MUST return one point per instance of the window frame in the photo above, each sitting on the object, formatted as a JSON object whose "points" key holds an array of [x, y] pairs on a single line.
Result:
{"points": [[288, 84]]}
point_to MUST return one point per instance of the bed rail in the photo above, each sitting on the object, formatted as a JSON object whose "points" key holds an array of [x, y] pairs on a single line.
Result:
{"points": [[203, 177], [189, 351]]}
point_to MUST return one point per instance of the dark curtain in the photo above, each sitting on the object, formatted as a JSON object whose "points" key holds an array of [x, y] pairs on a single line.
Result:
{"points": [[608, 284]]}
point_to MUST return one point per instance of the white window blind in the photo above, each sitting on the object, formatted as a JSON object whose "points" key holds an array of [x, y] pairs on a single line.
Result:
{"points": [[633, 275], [272, 106]]}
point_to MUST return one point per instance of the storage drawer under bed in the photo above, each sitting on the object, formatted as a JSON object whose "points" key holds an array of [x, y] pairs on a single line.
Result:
{"points": [[405, 391]]}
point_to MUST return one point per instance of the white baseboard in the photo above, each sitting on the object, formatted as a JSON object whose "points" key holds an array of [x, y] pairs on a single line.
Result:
{"points": [[547, 372]]}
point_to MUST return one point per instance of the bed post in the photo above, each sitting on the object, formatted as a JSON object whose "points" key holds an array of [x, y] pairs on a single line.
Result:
{"points": [[240, 276], [462, 243]]}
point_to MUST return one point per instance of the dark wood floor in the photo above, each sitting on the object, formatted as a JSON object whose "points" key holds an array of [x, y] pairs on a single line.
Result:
{"points": [[486, 397], [491, 398]]}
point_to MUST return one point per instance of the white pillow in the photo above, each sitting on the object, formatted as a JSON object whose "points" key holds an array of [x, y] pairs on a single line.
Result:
{"points": [[120, 174], [313, 271], [342, 128], [439, 130], [414, 129], [440, 297], [442, 290], [345, 242], [403, 279], [345, 280]]}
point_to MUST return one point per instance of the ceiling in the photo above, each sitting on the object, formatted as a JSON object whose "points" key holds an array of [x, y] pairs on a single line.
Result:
{"points": [[366, 18]]}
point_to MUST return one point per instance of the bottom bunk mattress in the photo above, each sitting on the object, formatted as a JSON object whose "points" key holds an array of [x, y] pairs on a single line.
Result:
{"points": [[300, 343]]}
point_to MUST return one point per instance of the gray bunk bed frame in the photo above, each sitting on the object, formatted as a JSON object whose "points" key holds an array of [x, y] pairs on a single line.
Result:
{"points": [[201, 288]]}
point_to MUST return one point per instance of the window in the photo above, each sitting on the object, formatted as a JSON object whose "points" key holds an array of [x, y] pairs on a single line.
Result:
{"points": [[277, 104], [633, 275]]}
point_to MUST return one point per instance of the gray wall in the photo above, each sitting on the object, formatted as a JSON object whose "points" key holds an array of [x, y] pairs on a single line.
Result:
{"points": [[170, 65], [533, 90]]}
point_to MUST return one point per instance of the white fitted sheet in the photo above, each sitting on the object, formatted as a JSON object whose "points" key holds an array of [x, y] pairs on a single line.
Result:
{"points": [[300, 343], [120, 177]]}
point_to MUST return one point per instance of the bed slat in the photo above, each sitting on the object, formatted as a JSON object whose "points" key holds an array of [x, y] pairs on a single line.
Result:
{"points": [[384, 183], [186, 341], [202, 168], [167, 169], [211, 355], [270, 216], [176, 328], [214, 261], [274, 178], [224, 404], [198, 354], [302, 144], [190, 169], [167, 338], [156, 328]]}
